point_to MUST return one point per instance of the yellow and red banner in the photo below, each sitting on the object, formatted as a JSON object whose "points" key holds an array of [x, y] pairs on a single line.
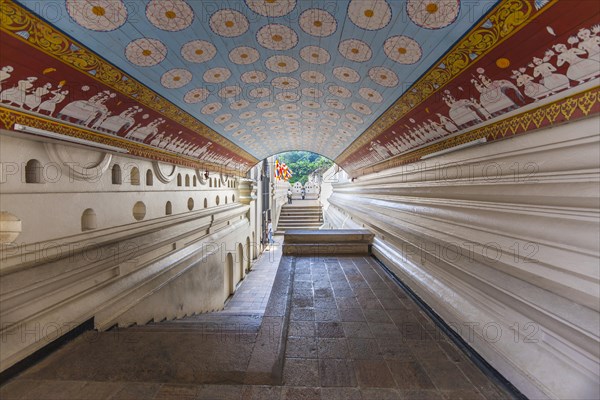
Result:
{"points": [[282, 171]]}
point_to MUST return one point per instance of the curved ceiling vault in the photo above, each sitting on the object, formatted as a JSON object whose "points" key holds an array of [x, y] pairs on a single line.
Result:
{"points": [[231, 82]]}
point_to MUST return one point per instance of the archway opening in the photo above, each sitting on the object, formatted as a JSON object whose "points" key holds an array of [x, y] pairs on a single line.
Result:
{"points": [[248, 254], [33, 172], [229, 276], [149, 178], [134, 176], [88, 220], [116, 175], [241, 260]]}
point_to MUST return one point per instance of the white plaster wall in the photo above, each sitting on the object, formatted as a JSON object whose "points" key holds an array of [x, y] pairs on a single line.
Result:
{"points": [[334, 175], [54, 276], [53, 209], [502, 237]]}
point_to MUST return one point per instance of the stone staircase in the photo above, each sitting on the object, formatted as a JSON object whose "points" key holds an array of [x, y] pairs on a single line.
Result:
{"points": [[208, 323], [300, 215]]}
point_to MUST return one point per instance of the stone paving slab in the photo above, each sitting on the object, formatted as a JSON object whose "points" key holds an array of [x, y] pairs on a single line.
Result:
{"points": [[337, 328]]}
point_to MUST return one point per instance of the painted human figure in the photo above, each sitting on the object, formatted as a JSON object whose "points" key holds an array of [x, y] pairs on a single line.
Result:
{"points": [[399, 144], [181, 146], [16, 95], [118, 123], [191, 150], [379, 149], [140, 133], [100, 97], [480, 88], [590, 43], [493, 99], [487, 82], [449, 125], [482, 108], [532, 89], [34, 98], [175, 142], [187, 148], [437, 128], [5, 73], [392, 148], [448, 98], [580, 69], [422, 132], [552, 81], [405, 142], [49, 105], [415, 140], [202, 150], [157, 139], [102, 109], [178, 145]]}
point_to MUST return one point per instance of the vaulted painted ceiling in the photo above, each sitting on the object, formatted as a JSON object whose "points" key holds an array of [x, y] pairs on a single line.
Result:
{"points": [[232, 82]]}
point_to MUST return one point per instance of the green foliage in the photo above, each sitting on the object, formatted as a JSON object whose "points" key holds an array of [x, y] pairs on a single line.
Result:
{"points": [[303, 163]]}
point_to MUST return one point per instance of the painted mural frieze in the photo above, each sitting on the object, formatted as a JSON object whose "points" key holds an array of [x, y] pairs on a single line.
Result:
{"points": [[501, 22], [359, 81], [217, 62], [84, 90], [9, 117], [548, 62], [578, 106]]}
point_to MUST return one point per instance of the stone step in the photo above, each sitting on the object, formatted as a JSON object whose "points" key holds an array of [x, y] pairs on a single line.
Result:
{"points": [[297, 220], [300, 213], [287, 219], [292, 211], [202, 329], [299, 225], [308, 228], [292, 220], [208, 323], [220, 317], [300, 217], [298, 209]]}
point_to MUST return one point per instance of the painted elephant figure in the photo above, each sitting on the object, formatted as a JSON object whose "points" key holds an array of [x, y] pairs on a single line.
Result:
{"points": [[82, 112], [116, 124], [463, 114]]}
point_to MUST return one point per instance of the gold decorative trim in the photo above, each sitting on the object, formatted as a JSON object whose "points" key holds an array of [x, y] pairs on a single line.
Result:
{"points": [[9, 117], [563, 110], [507, 19], [44, 37]]}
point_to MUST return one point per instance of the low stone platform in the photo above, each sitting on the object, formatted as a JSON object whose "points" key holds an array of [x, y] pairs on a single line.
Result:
{"points": [[327, 242]]}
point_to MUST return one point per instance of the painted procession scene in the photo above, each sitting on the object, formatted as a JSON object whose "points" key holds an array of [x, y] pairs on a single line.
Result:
{"points": [[272, 77], [495, 88]]}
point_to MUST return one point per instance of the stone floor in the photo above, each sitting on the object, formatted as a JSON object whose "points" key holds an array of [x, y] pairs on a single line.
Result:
{"points": [[350, 333], [304, 203], [253, 293]]}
